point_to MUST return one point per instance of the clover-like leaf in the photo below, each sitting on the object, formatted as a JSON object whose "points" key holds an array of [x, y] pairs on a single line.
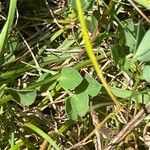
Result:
{"points": [[77, 105], [93, 87], [146, 73], [71, 108], [143, 51], [70, 78], [145, 3], [25, 97]]}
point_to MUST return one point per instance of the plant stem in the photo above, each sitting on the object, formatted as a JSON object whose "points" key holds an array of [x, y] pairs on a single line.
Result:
{"points": [[91, 54]]}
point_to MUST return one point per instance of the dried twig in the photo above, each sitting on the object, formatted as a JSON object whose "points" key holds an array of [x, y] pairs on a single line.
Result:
{"points": [[138, 118], [146, 136], [139, 11], [95, 120]]}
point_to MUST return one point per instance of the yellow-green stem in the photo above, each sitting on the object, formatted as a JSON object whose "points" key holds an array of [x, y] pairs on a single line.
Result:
{"points": [[91, 54]]}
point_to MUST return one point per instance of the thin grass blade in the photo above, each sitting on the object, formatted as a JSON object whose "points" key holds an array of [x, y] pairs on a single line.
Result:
{"points": [[43, 134], [6, 29]]}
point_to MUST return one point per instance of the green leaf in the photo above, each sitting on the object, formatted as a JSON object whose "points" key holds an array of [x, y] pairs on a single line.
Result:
{"points": [[67, 43], [122, 93], [92, 23], [2, 88], [56, 34], [146, 73], [77, 105], [137, 96], [6, 29], [17, 146], [86, 4], [82, 103], [25, 97], [143, 51], [13, 43], [129, 33], [139, 35], [126, 65], [117, 53], [145, 3], [93, 86], [70, 78], [4, 99], [48, 86], [142, 98], [71, 108]]}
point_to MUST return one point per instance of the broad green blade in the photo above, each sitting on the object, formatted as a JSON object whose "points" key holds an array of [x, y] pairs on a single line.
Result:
{"points": [[5, 31], [145, 3]]}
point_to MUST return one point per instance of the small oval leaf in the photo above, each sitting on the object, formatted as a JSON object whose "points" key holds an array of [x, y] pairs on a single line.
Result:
{"points": [[77, 105], [93, 87], [146, 73], [71, 108], [82, 103], [70, 78], [145, 3], [25, 97], [143, 51]]}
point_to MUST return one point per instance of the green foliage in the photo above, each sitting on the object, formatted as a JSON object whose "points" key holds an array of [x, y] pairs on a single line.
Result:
{"points": [[140, 97], [143, 50], [77, 105], [139, 35], [25, 97], [92, 23], [67, 43], [36, 46], [41, 133], [86, 4], [17, 146], [48, 86], [145, 3], [146, 72], [2, 88], [70, 78], [129, 33], [117, 53], [93, 87], [7, 27]]}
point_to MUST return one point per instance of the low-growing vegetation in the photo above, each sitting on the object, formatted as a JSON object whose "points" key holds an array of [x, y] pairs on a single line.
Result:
{"points": [[74, 74]]}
